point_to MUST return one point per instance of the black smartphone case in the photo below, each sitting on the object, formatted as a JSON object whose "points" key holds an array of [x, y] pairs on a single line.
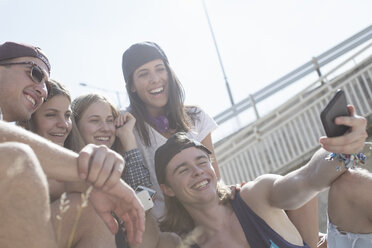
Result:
{"points": [[336, 107]]}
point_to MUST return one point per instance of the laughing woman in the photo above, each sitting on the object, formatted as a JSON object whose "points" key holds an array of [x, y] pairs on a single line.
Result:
{"points": [[97, 121], [157, 102]]}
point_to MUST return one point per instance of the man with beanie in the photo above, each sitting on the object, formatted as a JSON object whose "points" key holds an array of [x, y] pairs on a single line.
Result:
{"points": [[27, 218]]}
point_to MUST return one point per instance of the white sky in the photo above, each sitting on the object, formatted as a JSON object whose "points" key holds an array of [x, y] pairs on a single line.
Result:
{"points": [[259, 41]]}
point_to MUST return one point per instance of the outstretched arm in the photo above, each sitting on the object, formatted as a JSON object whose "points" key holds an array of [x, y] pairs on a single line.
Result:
{"points": [[299, 186]]}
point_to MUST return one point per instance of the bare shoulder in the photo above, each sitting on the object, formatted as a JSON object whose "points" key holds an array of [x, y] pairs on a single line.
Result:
{"points": [[259, 189]]}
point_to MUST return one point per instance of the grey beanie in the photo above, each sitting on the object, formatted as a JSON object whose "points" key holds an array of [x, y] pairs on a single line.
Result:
{"points": [[138, 55]]}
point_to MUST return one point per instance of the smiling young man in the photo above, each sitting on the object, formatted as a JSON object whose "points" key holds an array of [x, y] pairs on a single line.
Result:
{"points": [[255, 218], [27, 218]]}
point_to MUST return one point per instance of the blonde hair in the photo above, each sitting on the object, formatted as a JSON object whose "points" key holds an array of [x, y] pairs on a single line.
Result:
{"points": [[75, 141]]}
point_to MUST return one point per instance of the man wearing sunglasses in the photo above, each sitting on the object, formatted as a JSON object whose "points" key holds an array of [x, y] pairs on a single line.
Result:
{"points": [[27, 219]]}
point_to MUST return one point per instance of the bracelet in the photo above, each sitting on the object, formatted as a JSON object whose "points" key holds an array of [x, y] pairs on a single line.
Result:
{"points": [[347, 160]]}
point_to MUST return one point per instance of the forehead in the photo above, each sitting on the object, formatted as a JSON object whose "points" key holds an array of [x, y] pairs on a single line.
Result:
{"points": [[150, 64], [37, 61], [59, 102], [187, 155], [100, 108]]}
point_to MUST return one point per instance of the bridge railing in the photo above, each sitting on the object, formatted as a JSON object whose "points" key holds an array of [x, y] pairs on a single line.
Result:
{"points": [[288, 136], [232, 118]]}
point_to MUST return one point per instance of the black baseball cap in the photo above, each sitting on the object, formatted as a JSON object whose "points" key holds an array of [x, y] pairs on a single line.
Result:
{"points": [[174, 145], [11, 50]]}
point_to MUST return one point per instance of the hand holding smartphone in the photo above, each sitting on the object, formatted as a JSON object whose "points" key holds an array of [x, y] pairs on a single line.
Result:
{"points": [[337, 106]]}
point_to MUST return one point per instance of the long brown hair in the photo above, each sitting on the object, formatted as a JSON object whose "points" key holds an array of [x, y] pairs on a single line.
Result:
{"points": [[178, 220], [75, 141], [180, 117]]}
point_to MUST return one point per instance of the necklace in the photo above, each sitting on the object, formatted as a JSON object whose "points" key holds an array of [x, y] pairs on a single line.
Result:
{"points": [[160, 122]]}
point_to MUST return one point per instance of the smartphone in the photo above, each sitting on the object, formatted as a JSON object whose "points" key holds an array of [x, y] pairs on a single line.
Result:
{"points": [[152, 192], [337, 106], [146, 196]]}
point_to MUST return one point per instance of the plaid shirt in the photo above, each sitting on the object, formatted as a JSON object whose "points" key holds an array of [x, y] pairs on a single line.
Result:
{"points": [[135, 172]]}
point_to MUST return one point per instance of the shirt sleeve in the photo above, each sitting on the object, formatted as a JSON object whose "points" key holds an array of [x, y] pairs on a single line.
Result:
{"points": [[204, 125], [135, 172]]}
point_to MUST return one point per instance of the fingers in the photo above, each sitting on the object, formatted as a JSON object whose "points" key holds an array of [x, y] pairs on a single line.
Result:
{"points": [[130, 229], [120, 120], [115, 175], [83, 160], [353, 140], [100, 166], [110, 221], [351, 110], [132, 213]]}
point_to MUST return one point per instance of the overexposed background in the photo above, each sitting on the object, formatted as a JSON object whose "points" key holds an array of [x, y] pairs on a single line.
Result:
{"points": [[259, 41]]}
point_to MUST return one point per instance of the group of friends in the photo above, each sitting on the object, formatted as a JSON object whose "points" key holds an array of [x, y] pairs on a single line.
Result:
{"points": [[51, 145]]}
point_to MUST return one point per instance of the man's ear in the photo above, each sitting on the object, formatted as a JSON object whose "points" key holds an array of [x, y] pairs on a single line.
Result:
{"points": [[167, 190]]}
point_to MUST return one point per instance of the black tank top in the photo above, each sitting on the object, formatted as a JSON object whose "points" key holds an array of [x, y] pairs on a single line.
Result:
{"points": [[257, 232]]}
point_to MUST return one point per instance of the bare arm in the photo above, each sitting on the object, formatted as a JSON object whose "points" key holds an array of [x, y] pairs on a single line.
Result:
{"points": [[135, 172], [207, 141], [299, 186], [306, 221], [57, 162], [61, 164]]}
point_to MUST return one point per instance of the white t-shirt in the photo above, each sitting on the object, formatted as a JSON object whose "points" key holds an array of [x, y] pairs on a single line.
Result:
{"points": [[204, 125]]}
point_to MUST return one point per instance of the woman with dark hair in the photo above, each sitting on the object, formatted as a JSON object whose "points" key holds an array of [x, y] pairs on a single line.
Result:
{"points": [[157, 102]]}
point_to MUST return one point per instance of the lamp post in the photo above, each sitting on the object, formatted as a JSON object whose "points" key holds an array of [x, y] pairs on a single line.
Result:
{"points": [[105, 90], [218, 54]]}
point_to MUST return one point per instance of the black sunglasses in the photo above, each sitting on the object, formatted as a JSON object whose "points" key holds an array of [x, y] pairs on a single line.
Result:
{"points": [[37, 74]]}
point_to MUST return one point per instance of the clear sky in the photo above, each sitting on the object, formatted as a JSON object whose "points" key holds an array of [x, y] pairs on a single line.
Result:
{"points": [[259, 40]]}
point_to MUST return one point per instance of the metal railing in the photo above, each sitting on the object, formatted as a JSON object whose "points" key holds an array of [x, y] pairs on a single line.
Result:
{"points": [[287, 138], [313, 65]]}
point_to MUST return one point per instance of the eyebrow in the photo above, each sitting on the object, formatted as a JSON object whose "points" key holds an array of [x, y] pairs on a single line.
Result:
{"points": [[145, 69], [185, 163], [57, 110]]}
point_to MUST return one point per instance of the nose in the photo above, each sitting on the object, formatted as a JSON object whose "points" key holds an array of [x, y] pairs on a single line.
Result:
{"points": [[105, 126], [197, 171], [154, 77], [41, 90], [63, 123]]}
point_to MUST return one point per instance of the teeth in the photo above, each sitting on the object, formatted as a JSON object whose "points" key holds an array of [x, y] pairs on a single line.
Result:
{"points": [[103, 138], [201, 184], [157, 90], [58, 134], [31, 99]]}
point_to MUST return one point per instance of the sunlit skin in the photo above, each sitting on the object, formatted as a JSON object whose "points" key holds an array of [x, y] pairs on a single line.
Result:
{"points": [[150, 82], [96, 124], [190, 176], [53, 119], [20, 96]]}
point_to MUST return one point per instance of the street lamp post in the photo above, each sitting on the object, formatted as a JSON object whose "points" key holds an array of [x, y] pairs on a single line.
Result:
{"points": [[106, 90]]}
